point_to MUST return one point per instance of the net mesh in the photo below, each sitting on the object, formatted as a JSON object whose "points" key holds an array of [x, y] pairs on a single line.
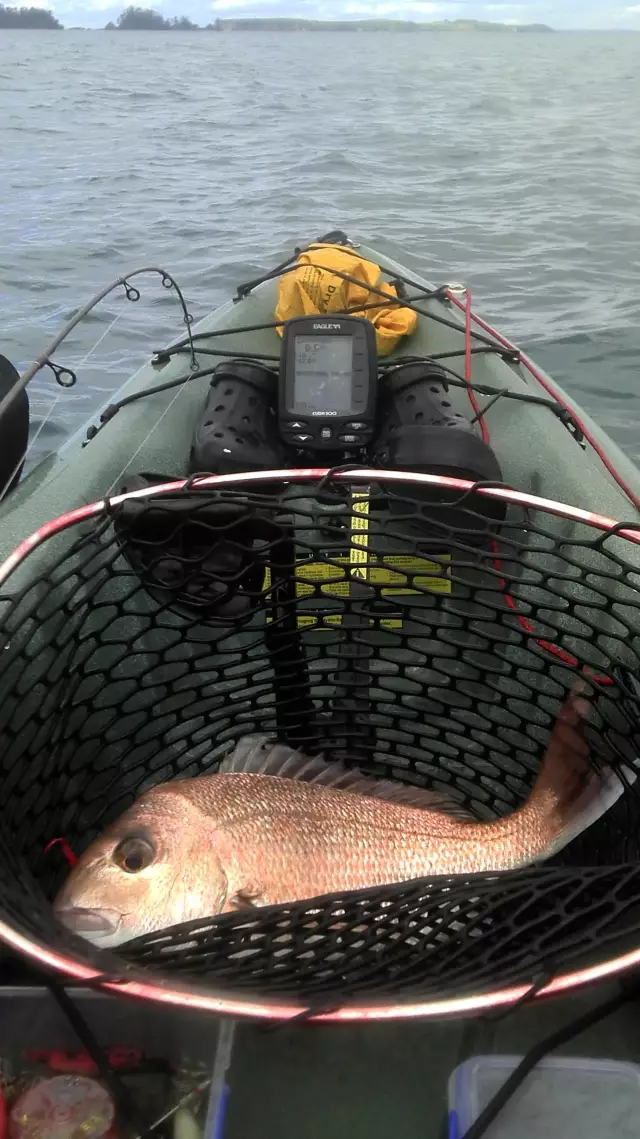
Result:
{"points": [[405, 629]]}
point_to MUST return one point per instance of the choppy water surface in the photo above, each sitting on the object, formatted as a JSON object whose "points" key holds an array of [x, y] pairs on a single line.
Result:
{"points": [[509, 162]]}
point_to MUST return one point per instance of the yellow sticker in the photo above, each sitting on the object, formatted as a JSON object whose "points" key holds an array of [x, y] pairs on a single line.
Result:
{"points": [[359, 552], [400, 570], [397, 574], [324, 620]]}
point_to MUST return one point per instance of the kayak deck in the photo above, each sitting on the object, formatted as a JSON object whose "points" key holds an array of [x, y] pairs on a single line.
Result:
{"points": [[537, 451]]}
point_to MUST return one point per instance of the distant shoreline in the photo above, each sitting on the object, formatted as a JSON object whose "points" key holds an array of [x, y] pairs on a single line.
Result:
{"points": [[289, 24], [148, 20]]}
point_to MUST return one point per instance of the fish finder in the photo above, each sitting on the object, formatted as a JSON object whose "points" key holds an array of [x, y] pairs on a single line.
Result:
{"points": [[328, 383]]}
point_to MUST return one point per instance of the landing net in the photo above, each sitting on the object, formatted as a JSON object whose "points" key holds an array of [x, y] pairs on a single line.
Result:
{"points": [[418, 628]]}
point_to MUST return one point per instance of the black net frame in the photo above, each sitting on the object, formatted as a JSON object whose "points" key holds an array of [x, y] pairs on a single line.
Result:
{"points": [[390, 620]]}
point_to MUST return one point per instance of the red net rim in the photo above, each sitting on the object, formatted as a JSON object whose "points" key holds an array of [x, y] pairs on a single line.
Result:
{"points": [[314, 474]]}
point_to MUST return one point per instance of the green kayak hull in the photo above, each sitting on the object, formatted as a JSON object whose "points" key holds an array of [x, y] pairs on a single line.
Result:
{"points": [[536, 451]]}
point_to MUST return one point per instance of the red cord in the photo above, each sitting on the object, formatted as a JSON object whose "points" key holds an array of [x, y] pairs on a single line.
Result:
{"points": [[562, 655], [467, 337], [65, 848], [550, 389]]}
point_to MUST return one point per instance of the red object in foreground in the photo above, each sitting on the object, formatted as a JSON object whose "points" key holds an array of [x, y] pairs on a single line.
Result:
{"points": [[81, 1062], [65, 848], [62, 1108]]}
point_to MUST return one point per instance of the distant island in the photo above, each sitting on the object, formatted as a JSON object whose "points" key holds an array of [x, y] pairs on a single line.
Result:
{"points": [[28, 18], [134, 19], [148, 20], [288, 24]]}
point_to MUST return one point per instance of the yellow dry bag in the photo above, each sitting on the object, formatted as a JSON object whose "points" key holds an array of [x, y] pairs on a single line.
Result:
{"points": [[315, 286]]}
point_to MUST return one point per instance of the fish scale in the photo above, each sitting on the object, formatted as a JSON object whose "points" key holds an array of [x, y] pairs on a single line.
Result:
{"points": [[276, 826]]}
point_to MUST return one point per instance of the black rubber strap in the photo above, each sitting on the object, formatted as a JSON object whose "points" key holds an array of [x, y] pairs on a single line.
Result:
{"points": [[123, 1099], [540, 1050]]}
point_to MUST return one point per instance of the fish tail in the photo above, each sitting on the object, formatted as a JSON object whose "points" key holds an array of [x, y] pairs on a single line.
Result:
{"points": [[569, 794]]}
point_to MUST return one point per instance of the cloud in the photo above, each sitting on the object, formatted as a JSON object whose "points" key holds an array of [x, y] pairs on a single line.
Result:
{"points": [[343, 9], [228, 5], [630, 13], [96, 5], [379, 11]]}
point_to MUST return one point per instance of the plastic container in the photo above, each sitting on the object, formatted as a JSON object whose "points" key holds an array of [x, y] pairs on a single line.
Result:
{"points": [[64, 1107], [562, 1098], [30, 1018]]}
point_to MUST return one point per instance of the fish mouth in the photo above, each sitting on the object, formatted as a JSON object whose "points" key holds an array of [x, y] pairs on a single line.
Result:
{"points": [[94, 924]]}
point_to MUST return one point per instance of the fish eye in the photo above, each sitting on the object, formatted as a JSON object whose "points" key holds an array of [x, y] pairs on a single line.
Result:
{"points": [[134, 854]]}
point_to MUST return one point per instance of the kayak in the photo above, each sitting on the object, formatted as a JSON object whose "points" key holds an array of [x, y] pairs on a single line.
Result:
{"points": [[423, 623], [544, 443]]}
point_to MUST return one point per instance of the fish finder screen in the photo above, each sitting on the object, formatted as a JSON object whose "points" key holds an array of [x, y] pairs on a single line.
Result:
{"points": [[323, 373]]}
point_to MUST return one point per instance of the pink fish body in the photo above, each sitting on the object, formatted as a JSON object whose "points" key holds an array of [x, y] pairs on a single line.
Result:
{"points": [[249, 836]]}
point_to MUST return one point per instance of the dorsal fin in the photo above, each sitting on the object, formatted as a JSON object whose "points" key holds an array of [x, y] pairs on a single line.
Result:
{"points": [[259, 755]]}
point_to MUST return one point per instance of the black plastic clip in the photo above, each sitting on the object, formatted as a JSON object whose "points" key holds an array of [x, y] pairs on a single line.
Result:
{"points": [[327, 483], [400, 287], [159, 359], [511, 356], [565, 417]]}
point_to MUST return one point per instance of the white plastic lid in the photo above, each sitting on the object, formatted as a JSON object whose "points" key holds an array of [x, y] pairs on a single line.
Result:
{"points": [[562, 1098]]}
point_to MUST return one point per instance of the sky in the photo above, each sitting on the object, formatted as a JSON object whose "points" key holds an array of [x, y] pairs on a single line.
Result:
{"points": [[560, 14]]}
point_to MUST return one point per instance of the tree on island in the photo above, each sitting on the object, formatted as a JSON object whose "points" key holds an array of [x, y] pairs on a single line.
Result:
{"points": [[147, 20], [27, 18]]}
